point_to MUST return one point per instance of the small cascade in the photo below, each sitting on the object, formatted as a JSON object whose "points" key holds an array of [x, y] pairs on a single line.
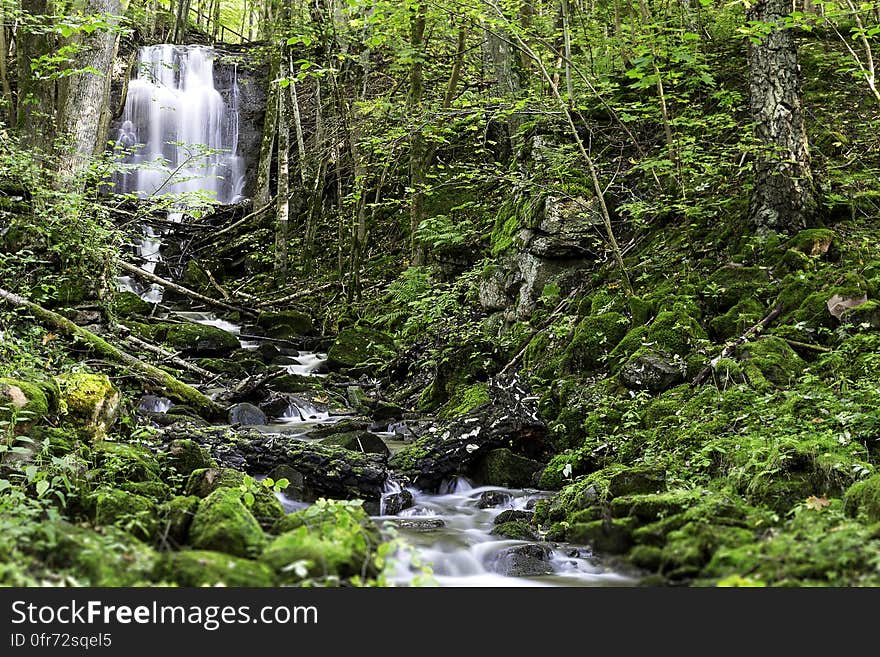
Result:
{"points": [[178, 136]]}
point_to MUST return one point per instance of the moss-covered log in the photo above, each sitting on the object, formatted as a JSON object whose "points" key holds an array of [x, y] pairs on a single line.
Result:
{"points": [[171, 386]]}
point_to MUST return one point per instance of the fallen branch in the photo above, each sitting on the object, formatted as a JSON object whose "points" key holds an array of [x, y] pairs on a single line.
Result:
{"points": [[171, 357], [728, 349], [244, 219], [807, 345], [172, 387], [296, 295], [208, 301]]}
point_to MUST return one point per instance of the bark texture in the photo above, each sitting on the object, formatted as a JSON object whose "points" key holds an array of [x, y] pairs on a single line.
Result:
{"points": [[783, 199]]}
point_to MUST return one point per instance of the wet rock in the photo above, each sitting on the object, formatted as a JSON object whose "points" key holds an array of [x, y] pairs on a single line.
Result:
{"points": [[394, 503], [268, 352], [358, 441], [512, 515], [246, 415], [126, 304], [421, 524], [383, 411], [201, 340], [346, 425], [501, 467], [652, 372], [516, 529], [522, 561], [276, 406], [614, 537], [292, 383], [493, 498], [175, 518], [295, 481], [223, 523]]}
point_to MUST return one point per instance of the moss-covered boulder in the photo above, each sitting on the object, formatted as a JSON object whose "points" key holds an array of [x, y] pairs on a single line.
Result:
{"points": [[360, 345], [672, 333], [652, 371], [293, 383], [22, 401], [134, 513], [732, 283], [186, 456], [770, 359], [592, 340], [745, 314], [501, 467], [863, 497], [229, 368], [200, 340], [464, 399], [175, 517], [207, 568], [121, 463], [265, 506], [286, 325], [517, 530], [816, 242], [223, 523], [863, 316], [127, 304], [89, 400], [111, 557], [610, 537]]}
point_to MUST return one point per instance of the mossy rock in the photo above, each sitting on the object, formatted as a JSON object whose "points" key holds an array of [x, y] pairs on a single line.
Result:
{"points": [[816, 242], [653, 506], [646, 557], [134, 513], [205, 481], [673, 332], [501, 467], [737, 320], [109, 558], [614, 537], [731, 283], [24, 401], [195, 278], [154, 490], [516, 530], [229, 368], [89, 399], [689, 548], [186, 456], [464, 399], [865, 316], [652, 371], [122, 462], [359, 345], [593, 339], [286, 325], [770, 359], [358, 441], [223, 523], [200, 340], [863, 497], [207, 568], [127, 304], [641, 310], [175, 517], [329, 539], [293, 383]]}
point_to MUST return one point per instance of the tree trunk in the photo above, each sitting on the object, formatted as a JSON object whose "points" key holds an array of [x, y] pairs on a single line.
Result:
{"points": [[262, 194], [783, 199], [4, 74], [418, 150], [283, 197], [35, 111], [85, 97]]}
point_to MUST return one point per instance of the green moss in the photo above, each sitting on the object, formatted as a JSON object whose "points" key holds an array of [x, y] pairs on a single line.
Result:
{"points": [[195, 278], [863, 497], [613, 537], [293, 383], [359, 345], [501, 467], [90, 399], [516, 530], [223, 523], [129, 511], [737, 320], [207, 568], [672, 332], [652, 507], [731, 284], [689, 548], [186, 456], [175, 517], [126, 304], [155, 490], [771, 359], [25, 401], [205, 481], [641, 310], [121, 462], [286, 325], [200, 339], [464, 399], [819, 242], [865, 316], [593, 339], [230, 368]]}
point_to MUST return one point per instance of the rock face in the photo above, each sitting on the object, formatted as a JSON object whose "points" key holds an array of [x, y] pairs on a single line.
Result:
{"points": [[360, 346], [510, 418]]}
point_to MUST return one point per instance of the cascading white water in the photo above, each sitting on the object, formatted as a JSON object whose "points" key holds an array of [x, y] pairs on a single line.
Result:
{"points": [[178, 136]]}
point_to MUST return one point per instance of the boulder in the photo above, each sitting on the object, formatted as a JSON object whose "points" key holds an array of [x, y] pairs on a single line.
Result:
{"points": [[515, 529], [511, 515], [134, 513], [185, 456], [223, 523], [90, 400], [356, 346], [201, 340], [246, 415], [285, 325], [208, 568], [522, 561], [358, 441], [24, 401], [501, 467], [493, 498], [265, 506], [651, 371], [175, 518]]}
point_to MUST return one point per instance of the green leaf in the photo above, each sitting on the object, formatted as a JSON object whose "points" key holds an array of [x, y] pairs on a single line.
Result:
{"points": [[42, 487]]}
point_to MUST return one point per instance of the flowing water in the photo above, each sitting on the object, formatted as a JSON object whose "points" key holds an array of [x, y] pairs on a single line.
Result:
{"points": [[178, 136]]}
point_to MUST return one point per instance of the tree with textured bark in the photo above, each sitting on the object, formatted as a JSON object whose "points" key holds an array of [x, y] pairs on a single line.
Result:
{"points": [[783, 199]]}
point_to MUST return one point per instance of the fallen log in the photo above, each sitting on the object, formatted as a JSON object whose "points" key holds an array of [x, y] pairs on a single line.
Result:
{"points": [[510, 419], [171, 387], [326, 471], [174, 287], [171, 357]]}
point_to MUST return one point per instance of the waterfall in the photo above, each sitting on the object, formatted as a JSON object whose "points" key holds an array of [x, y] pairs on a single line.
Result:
{"points": [[178, 135]]}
